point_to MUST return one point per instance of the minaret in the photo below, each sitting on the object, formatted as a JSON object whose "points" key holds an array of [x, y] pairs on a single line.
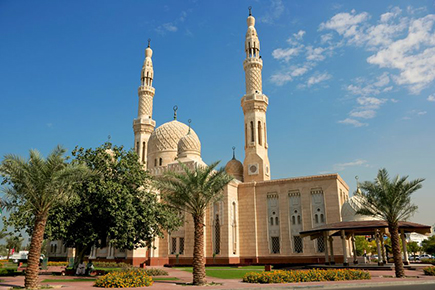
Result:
{"points": [[256, 165], [144, 125]]}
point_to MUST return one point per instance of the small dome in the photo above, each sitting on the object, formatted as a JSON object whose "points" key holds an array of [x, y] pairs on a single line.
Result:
{"points": [[189, 144], [167, 136], [349, 209], [148, 52], [235, 168]]}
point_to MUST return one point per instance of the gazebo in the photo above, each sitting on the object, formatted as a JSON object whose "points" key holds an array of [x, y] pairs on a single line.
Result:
{"points": [[349, 229]]}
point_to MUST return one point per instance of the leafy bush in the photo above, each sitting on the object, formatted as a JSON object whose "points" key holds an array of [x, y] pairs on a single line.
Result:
{"points": [[428, 261], [8, 272], [111, 265], [156, 272], [430, 271], [125, 279], [57, 264], [314, 275]]}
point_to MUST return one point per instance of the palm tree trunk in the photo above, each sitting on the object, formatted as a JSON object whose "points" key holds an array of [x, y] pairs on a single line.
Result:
{"points": [[198, 251], [395, 248], [31, 280]]}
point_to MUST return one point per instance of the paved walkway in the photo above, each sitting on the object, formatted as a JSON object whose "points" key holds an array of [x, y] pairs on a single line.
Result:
{"points": [[378, 278]]}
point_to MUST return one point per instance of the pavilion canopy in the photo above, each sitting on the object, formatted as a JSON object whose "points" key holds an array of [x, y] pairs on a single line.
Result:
{"points": [[363, 228]]}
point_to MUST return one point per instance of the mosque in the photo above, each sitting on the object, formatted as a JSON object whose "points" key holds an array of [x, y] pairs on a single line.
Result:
{"points": [[259, 219]]}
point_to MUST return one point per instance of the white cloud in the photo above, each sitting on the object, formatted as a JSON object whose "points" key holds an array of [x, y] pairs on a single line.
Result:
{"points": [[325, 38], [421, 113], [285, 54], [394, 100], [173, 25], [370, 102], [343, 166], [280, 78], [383, 80], [390, 15], [431, 98], [347, 24], [299, 71], [299, 35], [276, 8], [365, 114], [318, 78], [315, 54], [355, 123]]}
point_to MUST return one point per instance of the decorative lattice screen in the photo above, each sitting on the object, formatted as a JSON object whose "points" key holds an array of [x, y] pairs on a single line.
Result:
{"points": [[297, 244], [174, 246], [320, 244], [275, 245], [181, 245], [217, 236]]}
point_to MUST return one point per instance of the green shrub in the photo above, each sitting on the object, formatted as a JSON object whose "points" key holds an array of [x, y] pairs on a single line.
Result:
{"points": [[430, 271], [314, 275], [7, 272], [428, 261], [111, 265], [57, 263], [125, 279], [156, 272]]}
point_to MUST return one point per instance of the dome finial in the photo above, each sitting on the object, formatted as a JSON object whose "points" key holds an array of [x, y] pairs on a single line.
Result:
{"points": [[149, 41], [175, 108], [234, 152], [250, 10], [189, 121], [358, 190]]}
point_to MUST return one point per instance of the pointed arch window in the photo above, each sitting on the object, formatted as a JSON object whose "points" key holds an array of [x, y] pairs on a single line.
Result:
{"points": [[252, 131], [143, 151], [259, 133]]}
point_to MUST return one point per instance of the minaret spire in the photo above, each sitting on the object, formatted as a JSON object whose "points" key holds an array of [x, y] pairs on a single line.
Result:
{"points": [[254, 103], [144, 125]]}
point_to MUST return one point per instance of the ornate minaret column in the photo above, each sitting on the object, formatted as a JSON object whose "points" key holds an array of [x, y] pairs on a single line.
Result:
{"points": [[256, 165], [144, 125]]}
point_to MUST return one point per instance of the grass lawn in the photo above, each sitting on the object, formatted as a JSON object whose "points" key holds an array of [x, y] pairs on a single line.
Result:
{"points": [[226, 272]]}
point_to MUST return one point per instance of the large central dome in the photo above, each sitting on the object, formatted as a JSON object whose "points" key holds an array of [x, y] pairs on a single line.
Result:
{"points": [[167, 136]]}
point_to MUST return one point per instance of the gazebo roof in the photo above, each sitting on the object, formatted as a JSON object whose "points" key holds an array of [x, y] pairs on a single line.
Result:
{"points": [[364, 228]]}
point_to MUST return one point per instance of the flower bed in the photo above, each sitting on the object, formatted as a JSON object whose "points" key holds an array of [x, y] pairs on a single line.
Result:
{"points": [[314, 275], [125, 279], [430, 271]]}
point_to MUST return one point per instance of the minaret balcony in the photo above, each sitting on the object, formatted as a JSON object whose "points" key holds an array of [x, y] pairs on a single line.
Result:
{"points": [[146, 88], [253, 62]]}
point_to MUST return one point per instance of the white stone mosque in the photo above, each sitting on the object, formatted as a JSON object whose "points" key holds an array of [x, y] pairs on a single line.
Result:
{"points": [[260, 219]]}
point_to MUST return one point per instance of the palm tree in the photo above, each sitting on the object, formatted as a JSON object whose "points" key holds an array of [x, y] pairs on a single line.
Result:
{"points": [[192, 191], [390, 200], [36, 186]]}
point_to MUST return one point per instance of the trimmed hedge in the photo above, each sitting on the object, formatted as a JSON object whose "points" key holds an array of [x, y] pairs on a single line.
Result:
{"points": [[314, 275], [428, 261], [156, 272], [125, 279], [430, 271], [57, 263]]}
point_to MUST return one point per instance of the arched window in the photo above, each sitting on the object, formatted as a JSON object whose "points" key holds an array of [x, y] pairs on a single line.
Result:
{"points": [[246, 135], [259, 132], [293, 220], [155, 162], [160, 162], [137, 148], [299, 219], [252, 131], [265, 135], [316, 218], [322, 219], [143, 151], [271, 221], [276, 221]]}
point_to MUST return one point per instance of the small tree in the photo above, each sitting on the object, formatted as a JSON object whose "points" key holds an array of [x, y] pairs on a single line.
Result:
{"points": [[35, 186], [14, 243], [112, 205], [429, 245], [192, 191], [390, 200], [413, 247]]}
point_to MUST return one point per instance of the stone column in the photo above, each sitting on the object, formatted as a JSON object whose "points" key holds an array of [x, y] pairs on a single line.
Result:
{"points": [[379, 249], [325, 239], [355, 257], [405, 249], [331, 246], [343, 239], [110, 252]]}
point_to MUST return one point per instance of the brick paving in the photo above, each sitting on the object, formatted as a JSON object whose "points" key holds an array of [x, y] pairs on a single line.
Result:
{"points": [[379, 277]]}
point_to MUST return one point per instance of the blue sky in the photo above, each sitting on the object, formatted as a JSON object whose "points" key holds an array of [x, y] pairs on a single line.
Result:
{"points": [[350, 83]]}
